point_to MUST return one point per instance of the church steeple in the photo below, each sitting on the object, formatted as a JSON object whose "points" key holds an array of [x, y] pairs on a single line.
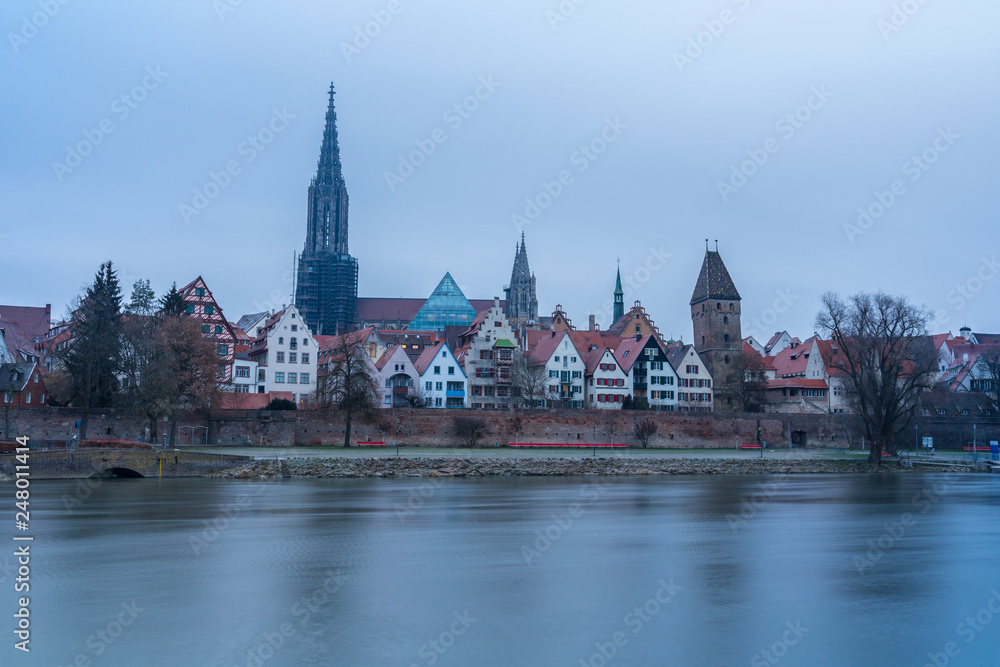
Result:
{"points": [[521, 301], [328, 200], [619, 297]]}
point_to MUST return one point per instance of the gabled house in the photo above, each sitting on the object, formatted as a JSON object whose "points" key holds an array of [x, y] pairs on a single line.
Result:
{"points": [[635, 321], [564, 369], [200, 303], [486, 352], [694, 381], [252, 323], [652, 376], [22, 385], [286, 355], [398, 379], [442, 380], [800, 381], [607, 381]]}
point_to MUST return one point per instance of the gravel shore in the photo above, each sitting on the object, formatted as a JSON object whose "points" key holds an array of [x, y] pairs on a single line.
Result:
{"points": [[553, 467]]}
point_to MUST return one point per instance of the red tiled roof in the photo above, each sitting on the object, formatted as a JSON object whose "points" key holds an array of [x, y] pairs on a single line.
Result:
{"points": [[799, 383], [427, 356], [793, 360], [377, 309], [546, 347], [628, 351], [34, 321]]}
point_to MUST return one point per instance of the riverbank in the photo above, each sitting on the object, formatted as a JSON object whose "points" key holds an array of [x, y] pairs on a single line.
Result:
{"points": [[554, 467]]}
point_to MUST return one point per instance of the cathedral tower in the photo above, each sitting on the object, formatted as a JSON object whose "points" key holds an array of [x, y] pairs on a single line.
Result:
{"points": [[520, 294], [327, 276]]}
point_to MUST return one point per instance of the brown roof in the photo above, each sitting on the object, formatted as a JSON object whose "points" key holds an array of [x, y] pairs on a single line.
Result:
{"points": [[628, 351], [428, 355], [714, 281], [34, 321], [377, 309], [546, 347]]}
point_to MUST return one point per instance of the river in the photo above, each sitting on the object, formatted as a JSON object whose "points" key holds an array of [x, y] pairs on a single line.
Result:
{"points": [[700, 570]]}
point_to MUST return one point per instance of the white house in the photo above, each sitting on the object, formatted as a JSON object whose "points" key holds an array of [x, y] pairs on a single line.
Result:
{"points": [[652, 375], [286, 354], [564, 366], [694, 383], [442, 379], [608, 383], [486, 352], [398, 379], [245, 375]]}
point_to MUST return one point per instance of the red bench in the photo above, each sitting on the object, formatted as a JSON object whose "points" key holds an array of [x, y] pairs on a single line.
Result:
{"points": [[977, 449], [567, 444], [750, 447], [371, 444]]}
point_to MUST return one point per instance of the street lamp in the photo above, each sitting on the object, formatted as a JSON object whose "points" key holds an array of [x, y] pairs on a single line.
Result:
{"points": [[164, 446]]}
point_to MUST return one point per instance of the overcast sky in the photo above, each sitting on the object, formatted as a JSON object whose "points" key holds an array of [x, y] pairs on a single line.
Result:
{"points": [[838, 97]]}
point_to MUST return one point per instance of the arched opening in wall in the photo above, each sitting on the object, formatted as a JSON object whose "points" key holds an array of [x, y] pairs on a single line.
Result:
{"points": [[725, 319], [732, 307], [799, 438], [718, 306], [121, 473], [726, 337], [727, 358], [703, 341]]}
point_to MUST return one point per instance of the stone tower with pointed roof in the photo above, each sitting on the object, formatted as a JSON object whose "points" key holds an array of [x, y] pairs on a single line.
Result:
{"points": [[326, 285], [522, 305], [715, 312]]}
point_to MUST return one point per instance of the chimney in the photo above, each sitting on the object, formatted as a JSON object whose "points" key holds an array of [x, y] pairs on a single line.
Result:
{"points": [[638, 337], [593, 322], [496, 302], [553, 333]]}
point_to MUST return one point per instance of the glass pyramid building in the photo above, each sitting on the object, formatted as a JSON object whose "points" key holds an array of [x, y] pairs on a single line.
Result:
{"points": [[446, 305]]}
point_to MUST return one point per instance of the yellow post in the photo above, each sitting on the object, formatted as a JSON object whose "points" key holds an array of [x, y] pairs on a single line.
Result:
{"points": [[161, 469]]}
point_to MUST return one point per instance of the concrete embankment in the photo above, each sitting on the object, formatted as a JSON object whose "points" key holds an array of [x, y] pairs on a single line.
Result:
{"points": [[553, 467]]}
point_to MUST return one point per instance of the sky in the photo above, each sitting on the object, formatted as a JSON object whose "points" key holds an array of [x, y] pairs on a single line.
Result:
{"points": [[827, 146]]}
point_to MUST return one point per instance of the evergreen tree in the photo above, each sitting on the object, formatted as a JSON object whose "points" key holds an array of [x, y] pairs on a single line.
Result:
{"points": [[172, 303], [143, 299], [93, 357]]}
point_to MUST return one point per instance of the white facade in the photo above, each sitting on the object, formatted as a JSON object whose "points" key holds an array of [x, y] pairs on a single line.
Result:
{"points": [[443, 382], [288, 362], [245, 376], [397, 378], [564, 375], [694, 383], [608, 384]]}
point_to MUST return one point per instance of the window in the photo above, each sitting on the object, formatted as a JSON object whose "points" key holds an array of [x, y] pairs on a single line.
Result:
{"points": [[557, 357], [242, 389], [444, 353], [279, 377], [573, 359], [293, 344], [209, 310], [303, 378], [261, 375], [199, 291], [206, 328], [477, 390], [279, 357], [28, 395], [295, 327], [437, 402], [577, 374], [451, 370], [438, 386], [305, 357], [456, 386], [437, 370], [281, 340], [242, 371], [388, 399], [218, 328], [189, 308], [486, 354], [292, 378], [292, 358], [223, 349], [428, 386], [691, 370], [553, 374]]}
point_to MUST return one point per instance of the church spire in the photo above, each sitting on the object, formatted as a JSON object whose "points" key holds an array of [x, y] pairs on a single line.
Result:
{"points": [[328, 171], [521, 301], [619, 296]]}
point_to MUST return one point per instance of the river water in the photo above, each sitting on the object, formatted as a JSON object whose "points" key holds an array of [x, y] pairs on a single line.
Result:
{"points": [[709, 570]]}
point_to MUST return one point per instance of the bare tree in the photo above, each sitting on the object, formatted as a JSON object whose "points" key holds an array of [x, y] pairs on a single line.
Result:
{"points": [[528, 379], [748, 386], [470, 429], [349, 383], [516, 426], [880, 344], [643, 430]]}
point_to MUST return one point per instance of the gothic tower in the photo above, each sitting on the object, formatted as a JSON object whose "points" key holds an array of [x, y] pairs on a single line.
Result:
{"points": [[619, 299], [327, 275], [715, 312], [521, 302]]}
